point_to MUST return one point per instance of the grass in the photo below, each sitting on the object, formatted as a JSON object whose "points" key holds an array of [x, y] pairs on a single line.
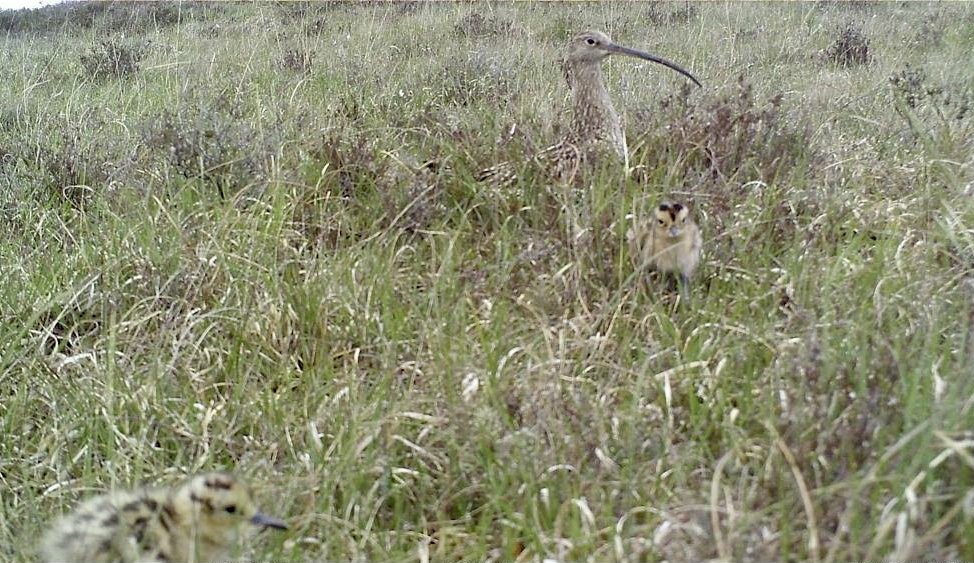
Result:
{"points": [[231, 255]]}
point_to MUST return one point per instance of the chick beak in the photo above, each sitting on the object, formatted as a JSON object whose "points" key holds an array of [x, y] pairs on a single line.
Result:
{"points": [[266, 521], [674, 231]]}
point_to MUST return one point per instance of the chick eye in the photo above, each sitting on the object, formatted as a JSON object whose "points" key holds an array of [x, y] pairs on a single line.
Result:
{"points": [[231, 509], [660, 221], [590, 41]]}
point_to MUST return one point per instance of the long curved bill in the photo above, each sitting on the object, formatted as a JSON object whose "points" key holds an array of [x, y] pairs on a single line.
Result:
{"points": [[613, 48]]}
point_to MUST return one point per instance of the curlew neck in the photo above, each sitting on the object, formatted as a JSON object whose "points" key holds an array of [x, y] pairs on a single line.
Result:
{"points": [[595, 119]]}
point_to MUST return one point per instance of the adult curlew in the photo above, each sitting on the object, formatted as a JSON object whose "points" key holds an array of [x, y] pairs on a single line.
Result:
{"points": [[596, 128]]}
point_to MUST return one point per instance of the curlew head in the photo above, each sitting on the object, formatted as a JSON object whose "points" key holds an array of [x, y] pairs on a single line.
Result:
{"points": [[594, 46], [671, 218], [218, 504]]}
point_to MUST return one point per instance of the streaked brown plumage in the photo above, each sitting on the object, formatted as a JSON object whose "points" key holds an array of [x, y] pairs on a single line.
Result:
{"points": [[197, 521], [596, 128], [669, 242]]}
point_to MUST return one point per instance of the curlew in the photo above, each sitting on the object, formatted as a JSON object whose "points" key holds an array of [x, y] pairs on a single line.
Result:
{"points": [[197, 521], [596, 128], [670, 244]]}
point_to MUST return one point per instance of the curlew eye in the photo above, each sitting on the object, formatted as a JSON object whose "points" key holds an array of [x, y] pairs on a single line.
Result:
{"points": [[660, 222], [230, 509], [591, 41]]}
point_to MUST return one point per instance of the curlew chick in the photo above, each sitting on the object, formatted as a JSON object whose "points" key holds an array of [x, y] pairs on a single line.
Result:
{"points": [[197, 521], [671, 243]]}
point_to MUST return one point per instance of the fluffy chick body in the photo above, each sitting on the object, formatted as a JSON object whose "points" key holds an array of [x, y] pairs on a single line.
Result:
{"points": [[670, 243], [197, 521]]}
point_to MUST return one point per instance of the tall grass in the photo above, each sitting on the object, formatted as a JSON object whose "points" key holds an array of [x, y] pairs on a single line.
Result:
{"points": [[263, 249]]}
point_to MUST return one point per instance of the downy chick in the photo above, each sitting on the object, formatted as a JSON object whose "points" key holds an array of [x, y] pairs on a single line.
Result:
{"points": [[197, 521], [670, 243]]}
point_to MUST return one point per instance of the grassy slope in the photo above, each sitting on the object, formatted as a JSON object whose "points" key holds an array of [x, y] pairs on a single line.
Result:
{"points": [[414, 365]]}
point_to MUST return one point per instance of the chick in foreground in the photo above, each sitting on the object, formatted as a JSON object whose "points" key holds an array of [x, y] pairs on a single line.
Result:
{"points": [[670, 243], [197, 521]]}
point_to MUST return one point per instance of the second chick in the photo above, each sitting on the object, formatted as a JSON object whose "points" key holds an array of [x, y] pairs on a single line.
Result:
{"points": [[196, 522], [669, 243]]}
